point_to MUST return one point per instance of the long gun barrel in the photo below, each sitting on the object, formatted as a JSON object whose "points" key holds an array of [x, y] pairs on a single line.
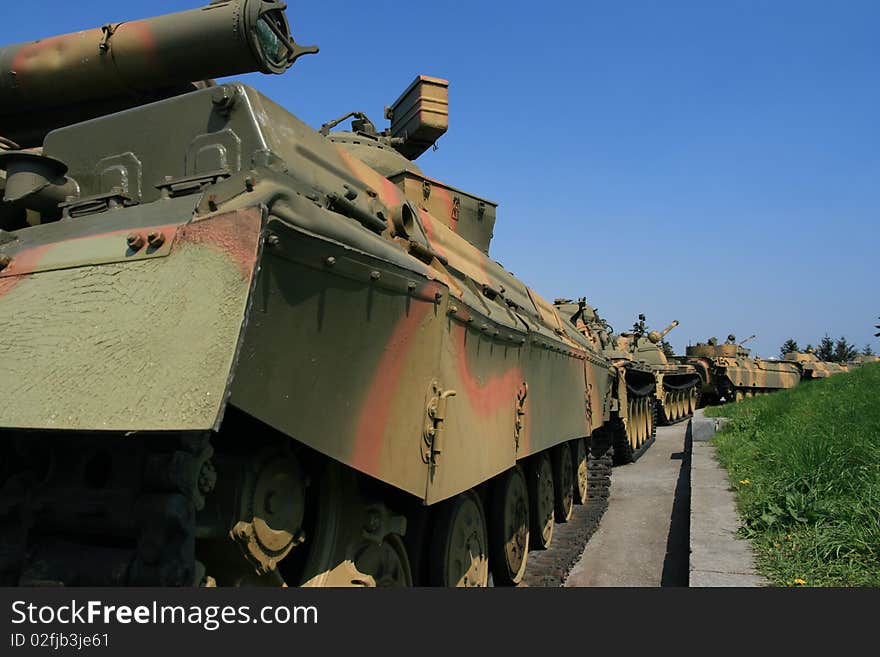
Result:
{"points": [[751, 337], [656, 336], [666, 331], [72, 77]]}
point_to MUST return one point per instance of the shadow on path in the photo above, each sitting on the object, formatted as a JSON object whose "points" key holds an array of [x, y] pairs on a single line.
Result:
{"points": [[676, 565]]}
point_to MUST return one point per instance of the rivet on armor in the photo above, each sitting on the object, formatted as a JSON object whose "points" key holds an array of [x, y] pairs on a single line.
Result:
{"points": [[135, 241], [155, 239]]}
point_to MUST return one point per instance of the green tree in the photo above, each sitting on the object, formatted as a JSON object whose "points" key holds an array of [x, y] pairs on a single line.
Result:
{"points": [[787, 347], [667, 348], [844, 351], [825, 351], [867, 351]]}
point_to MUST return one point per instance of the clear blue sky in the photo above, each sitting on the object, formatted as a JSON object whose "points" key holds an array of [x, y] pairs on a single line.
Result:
{"points": [[712, 162]]}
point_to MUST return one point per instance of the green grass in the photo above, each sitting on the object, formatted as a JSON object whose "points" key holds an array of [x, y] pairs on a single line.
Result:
{"points": [[805, 464]]}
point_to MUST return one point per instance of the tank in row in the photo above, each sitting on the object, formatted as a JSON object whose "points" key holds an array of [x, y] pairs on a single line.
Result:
{"points": [[659, 389], [728, 373], [243, 351]]}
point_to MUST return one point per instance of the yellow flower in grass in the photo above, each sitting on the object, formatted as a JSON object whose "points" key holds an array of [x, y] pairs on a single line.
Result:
{"points": [[800, 582], [744, 482]]}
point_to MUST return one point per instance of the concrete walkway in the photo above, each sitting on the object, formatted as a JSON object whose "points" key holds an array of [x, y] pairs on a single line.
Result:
{"points": [[671, 520], [718, 557], [634, 545]]}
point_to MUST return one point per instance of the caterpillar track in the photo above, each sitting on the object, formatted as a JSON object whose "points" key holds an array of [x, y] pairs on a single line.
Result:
{"points": [[549, 568], [102, 511], [634, 434], [72, 516], [679, 401]]}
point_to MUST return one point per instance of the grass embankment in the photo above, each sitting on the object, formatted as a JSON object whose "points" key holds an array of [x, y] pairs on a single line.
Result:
{"points": [[806, 467]]}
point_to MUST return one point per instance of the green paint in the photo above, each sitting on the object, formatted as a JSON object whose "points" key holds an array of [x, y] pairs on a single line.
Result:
{"points": [[146, 345]]}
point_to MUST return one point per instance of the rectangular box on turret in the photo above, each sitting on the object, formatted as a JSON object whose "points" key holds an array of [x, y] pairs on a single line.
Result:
{"points": [[471, 217], [420, 116]]}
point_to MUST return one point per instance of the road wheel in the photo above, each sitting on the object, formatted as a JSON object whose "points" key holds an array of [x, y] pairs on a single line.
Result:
{"points": [[459, 553], [632, 424], [509, 527], [643, 421], [386, 564], [563, 476], [581, 469], [541, 500]]}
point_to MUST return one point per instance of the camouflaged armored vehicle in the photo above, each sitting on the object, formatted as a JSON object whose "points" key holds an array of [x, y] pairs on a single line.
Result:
{"points": [[240, 350], [633, 431], [812, 367], [862, 359], [728, 373], [677, 384]]}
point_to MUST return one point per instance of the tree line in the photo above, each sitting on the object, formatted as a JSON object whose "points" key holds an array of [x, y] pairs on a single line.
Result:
{"points": [[832, 351]]}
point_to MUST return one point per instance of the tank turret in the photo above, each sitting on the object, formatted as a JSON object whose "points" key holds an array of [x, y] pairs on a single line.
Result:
{"points": [[66, 79], [711, 348], [419, 117], [801, 356], [656, 336], [741, 350]]}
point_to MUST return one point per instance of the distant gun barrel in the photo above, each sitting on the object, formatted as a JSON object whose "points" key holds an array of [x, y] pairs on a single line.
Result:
{"points": [[656, 336], [666, 331], [751, 337], [92, 72]]}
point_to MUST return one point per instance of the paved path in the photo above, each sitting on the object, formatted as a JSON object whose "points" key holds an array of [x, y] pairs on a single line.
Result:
{"points": [[718, 557], [634, 545]]}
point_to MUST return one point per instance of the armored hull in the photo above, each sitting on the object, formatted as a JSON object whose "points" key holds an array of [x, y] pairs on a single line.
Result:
{"points": [[241, 351], [641, 389], [677, 384], [861, 360], [728, 374], [812, 368]]}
